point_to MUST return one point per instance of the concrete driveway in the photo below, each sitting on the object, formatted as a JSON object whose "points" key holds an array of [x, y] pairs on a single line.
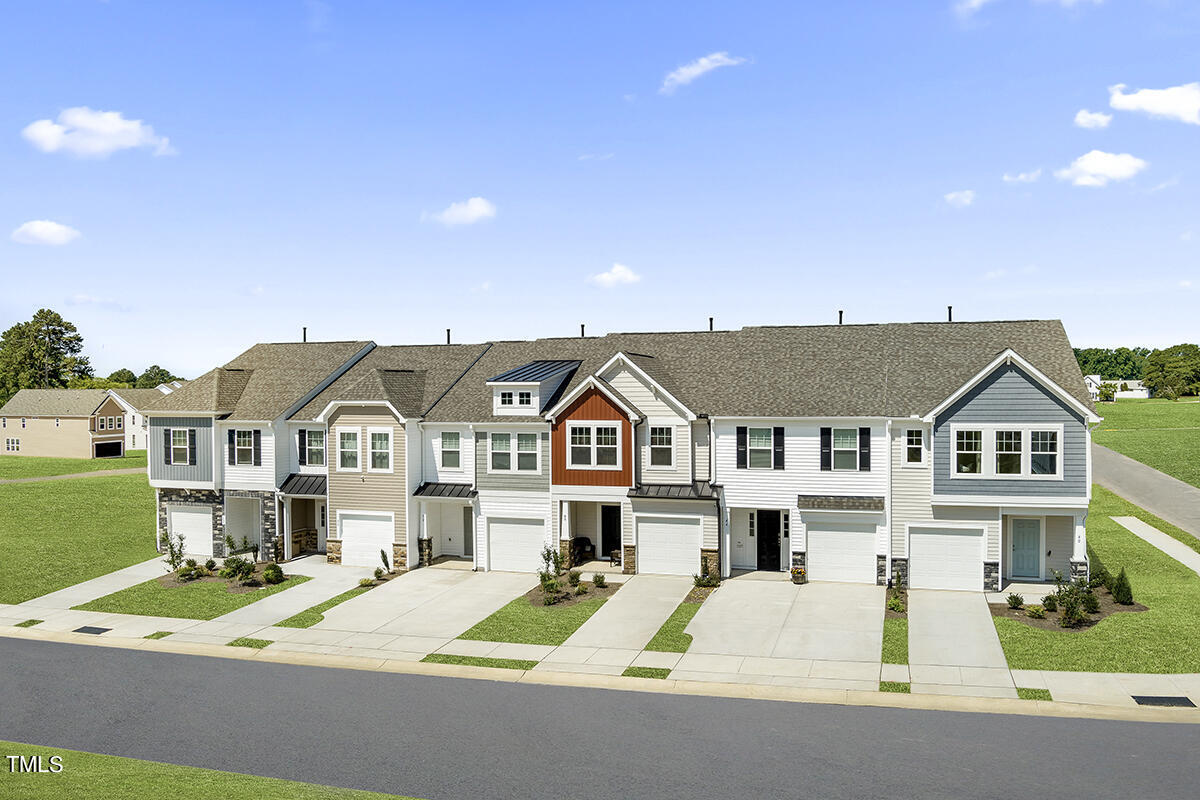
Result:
{"points": [[633, 615], [953, 647], [776, 619], [428, 602]]}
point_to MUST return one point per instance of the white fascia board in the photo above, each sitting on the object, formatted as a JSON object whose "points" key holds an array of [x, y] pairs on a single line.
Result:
{"points": [[781, 418], [149, 414], [1021, 501], [516, 383], [121, 402], [590, 382], [1011, 357], [333, 404], [621, 357]]}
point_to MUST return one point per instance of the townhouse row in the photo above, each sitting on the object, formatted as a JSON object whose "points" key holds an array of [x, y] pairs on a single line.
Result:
{"points": [[954, 454]]}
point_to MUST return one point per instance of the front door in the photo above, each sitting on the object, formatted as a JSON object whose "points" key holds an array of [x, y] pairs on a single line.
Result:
{"points": [[610, 530], [319, 514], [468, 532], [1026, 548], [767, 523]]}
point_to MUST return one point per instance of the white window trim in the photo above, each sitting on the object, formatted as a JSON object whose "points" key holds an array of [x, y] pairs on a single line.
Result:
{"points": [[904, 445], [308, 448], [650, 465], [236, 447], [99, 423], [390, 450], [988, 431], [770, 450], [512, 452], [187, 447], [358, 446], [833, 451], [120, 423], [521, 403], [442, 450], [593, 424]]}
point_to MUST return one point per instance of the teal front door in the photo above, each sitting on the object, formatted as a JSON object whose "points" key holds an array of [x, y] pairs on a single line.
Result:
{"points": [[1026, 548]]}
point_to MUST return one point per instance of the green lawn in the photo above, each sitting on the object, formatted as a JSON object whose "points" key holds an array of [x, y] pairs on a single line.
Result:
{"points": [[311, 616], [895, 641], [1160, 433], [246, 641], [523, 623], [111, 777], [670, 637], [59, 533], [479, 661], [646, 672], [40, 467], [895, 687], [1166, 638], [1033, 694], [197, 600]]}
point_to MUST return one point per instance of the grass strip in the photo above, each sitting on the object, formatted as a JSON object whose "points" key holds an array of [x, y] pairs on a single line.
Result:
{"points": [[29, 623], [895, 641], [157, 635], [521, 622], [1033, 694], [246, 641], [646, 672], [311, 616], [479, 661], [670, 637], [895, 687], [47, 466]]}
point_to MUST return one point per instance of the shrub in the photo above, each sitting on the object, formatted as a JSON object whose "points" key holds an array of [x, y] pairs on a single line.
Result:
{"points": [[230, 545], [237, 567], [1015, 600], [250, 580], [210, 565], [1122, 592], [1072, 616], [552, 561], [186, 573], [386, 566], [379, 573], [191, 562], [174, 545], [366, 583], [273, 573], [894, 603], [1100, 577], [599, 580], [550, 591], [581, 588], [1091, 603], [573, 577], [704, 579], [898, 580], [201, 572], [1050, 602], [1035, 612]]}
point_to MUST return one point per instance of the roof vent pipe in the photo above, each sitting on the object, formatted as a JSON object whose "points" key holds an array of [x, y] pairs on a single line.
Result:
{"points": [[839, 316], [949, 313], [710, 324], [304, 334], [447, 336], [581, 335]]}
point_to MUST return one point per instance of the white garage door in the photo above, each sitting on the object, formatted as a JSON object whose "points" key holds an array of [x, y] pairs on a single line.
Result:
{"points": [[195, 523], [841, 552], [515, 545], [668, 546], [363, 536], [945, 558]]}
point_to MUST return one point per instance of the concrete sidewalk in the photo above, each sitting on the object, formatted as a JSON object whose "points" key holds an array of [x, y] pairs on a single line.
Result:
{"points": [[630, 618], [102, 473], [1172, 547], [1160, 494], [90, 590]]}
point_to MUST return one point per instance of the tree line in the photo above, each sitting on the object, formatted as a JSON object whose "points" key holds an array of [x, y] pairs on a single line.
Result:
{"points": [[46, 352], [1170, 372]]}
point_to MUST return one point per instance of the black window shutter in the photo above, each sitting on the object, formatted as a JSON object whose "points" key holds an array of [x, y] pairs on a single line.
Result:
{"points": [[826, 449], [191, 447], [232, 448], [302, 438], [741, 447], [257, 447], [167, 446], [864, 449], [778, 447]]}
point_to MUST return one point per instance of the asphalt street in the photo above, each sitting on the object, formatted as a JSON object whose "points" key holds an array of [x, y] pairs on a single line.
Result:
{"points": [[453, 738], [1160, 494]]}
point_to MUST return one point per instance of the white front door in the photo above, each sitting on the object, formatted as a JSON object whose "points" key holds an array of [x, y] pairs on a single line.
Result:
{"points": [[841, 552], [195, 523], [668, 546], [321, 525], [945, 558], [363, 536], [515, 545]]}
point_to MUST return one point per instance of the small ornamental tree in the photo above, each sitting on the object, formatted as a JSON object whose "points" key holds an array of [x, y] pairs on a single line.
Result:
{"points": [[1122, 592]]}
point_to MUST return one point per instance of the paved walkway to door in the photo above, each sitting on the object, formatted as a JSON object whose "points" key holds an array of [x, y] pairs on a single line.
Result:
{"points": [[633, 615], [1160, 494], [100, 473], [953, 647]]}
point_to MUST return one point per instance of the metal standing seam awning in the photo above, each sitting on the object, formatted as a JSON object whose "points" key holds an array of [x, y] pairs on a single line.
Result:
{"points": [[298, 485], [697, 490], [445, 491]]}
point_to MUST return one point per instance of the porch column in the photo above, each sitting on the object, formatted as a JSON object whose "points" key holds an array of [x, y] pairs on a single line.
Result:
{"points": [[1079, 561], [424, 543], [564, 535]]}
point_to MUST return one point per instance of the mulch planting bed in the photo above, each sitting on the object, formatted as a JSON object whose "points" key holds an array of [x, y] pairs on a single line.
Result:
{"points": [[888, 613], [567, 596], [171, 581], [699, 594], [1051, 623]]}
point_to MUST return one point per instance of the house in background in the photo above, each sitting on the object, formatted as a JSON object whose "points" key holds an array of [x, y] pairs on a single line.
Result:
{"points": [[133, 401], [1126, 389], [65, 423], [1093, 382]]}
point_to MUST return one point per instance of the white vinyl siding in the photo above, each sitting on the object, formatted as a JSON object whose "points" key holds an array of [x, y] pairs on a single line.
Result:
{"points": [[248, 476], [433, 468]]}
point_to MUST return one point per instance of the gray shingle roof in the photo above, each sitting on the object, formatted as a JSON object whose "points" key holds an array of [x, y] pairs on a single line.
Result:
{"points": [[53, 403], [139, 398], [262, 382], [894, 369]]}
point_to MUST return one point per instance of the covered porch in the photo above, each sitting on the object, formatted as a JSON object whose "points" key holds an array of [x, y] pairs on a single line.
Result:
{"points": [[1035, 544], [590, 533], [305, 523], [447, 523]]}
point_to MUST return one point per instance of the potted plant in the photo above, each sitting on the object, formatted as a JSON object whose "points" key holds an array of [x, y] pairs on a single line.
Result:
{"points": [[799, 575]]}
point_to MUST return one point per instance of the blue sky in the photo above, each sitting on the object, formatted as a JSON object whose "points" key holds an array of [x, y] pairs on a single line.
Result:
{"points": [[298, 163]]}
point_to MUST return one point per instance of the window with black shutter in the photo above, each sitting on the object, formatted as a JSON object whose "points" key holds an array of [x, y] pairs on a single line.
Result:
{"points": [[741, 447], [826, 449]]}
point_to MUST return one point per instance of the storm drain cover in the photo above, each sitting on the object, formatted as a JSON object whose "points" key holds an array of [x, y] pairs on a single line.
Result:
{"points": [[92, 629], [1159, 700]]}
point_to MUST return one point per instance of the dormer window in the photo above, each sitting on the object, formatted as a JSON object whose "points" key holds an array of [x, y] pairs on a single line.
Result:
{"points": [[506, 398], [525, 398]]}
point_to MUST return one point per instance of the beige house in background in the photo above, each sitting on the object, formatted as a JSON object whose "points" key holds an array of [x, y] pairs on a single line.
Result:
{"points": [[65, 423]]}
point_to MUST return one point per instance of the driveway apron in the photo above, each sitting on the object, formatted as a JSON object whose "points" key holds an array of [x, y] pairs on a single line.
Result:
{"points": [[631, 617], [834, 622], [742, 618], [953, 647]]}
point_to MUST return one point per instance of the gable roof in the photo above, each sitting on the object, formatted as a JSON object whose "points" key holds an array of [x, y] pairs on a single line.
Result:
{"points": [[262, 383], [54, 403], [137, 398], [409, 377]]}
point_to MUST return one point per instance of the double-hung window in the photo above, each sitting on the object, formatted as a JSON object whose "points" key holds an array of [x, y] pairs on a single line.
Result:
{"points": [[1043, 452], [527, 452], [179, 446], [845, 448], [914, 446], [315, 448], [594, 446], [244, 448], [1008, 452], [99, 424], [502, 452], [379, 457], [451, 452], [120, 423], [662, 450], [759, 444], [501, 448], [968, 452], [348, 450]]}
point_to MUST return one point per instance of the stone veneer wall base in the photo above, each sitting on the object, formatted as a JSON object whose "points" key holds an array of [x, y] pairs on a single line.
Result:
{"points": [[629, 559], [991, 576], [424, 552], [333, 551], [900, 571]]}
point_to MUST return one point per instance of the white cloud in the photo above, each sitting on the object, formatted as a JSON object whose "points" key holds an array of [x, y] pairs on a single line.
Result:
{"points": [[1097, 168], [1023, 177], [1092, 119], [618, 275], [993, 274], [1186, 236], [690, 72], [960, 199], [83, 132], [485, 286], [968, 8], [1185, 284], [43, 231], [596, 156], [467, 212], [1177, 102], [1167, 184], [100, 302]]}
